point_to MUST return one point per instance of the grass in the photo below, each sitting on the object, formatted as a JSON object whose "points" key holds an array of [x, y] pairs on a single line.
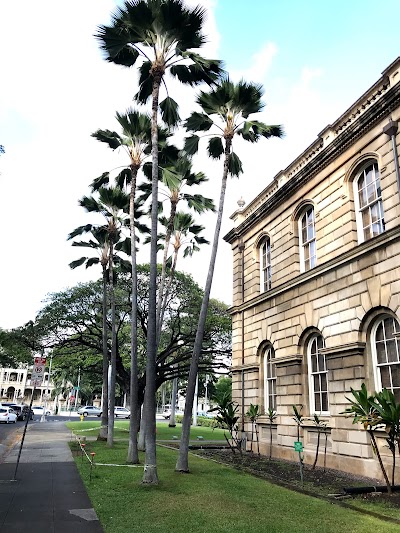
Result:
{"points": [[212, 499], [163, 431]]}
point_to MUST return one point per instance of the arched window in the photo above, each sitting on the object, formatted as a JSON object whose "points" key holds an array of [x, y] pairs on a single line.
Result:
{"points": [[307, 241], [317, 376], [385, 341], [265, 265], [269, 379], [368, 202]]}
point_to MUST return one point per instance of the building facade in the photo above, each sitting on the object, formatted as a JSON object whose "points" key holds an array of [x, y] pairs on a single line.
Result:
{"points": [[15, 386], [316, 286]]}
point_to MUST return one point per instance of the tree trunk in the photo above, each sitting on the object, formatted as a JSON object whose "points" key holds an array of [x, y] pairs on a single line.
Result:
{"points": [[172, 422], [317, 450], [110, 435], [376, 450], [182, 464], [149, 411], [104, 415], [133, 454], [161, 298]]}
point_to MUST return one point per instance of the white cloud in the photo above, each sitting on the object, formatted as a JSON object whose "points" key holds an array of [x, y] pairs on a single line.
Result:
{"points": [[260, 64]]}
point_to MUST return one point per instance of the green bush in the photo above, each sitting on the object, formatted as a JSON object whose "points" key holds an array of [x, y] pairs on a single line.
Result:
{"points": [[201, 421]]}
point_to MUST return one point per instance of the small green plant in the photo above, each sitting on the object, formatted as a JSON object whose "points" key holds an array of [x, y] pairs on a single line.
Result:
{"points": [[364, 410], [298, 418], [254, 413], [321, 428], [272, 416], [227, 418]]}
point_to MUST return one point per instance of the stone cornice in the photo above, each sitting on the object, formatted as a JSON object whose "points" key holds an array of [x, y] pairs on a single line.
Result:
{"points": [[321, 159], [351, 255], [288, 360], [245, 368], [345, 350]]}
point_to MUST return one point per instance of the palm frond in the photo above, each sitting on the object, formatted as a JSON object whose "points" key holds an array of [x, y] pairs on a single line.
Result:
{"points": [[192, 144], [169, 112], [198, 122], [234, 165], [215, 147]]}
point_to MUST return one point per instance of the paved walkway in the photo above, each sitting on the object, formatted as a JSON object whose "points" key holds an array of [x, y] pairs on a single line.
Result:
{"points": [[48, 495]]}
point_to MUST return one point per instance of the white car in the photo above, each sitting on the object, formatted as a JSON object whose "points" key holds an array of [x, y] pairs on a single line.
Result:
{"points": [[39, 410], [7, 415], [89, 410], [122, 412]]}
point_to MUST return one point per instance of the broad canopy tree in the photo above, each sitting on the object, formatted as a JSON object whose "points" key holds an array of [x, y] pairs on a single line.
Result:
{"points": [[71, 324]]}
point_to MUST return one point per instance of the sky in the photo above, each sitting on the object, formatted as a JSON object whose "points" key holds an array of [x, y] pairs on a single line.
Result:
{"points": [[313, 58]]}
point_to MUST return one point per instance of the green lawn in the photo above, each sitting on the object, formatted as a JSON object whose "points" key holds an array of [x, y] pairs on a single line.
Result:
{"points": [[213, 498], [163, 431]]}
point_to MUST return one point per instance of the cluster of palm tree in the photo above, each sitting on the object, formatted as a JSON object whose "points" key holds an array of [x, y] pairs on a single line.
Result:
{"points": [[163, 37]]}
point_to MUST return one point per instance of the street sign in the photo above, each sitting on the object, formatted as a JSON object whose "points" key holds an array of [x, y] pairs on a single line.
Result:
{"points": [[39, 364], [298, 446]]}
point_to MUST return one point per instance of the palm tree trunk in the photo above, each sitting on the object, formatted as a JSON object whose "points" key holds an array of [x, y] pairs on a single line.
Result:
{"points": [[149, 411], [317, 450], [161, 298], [104, 415], [182, 464], [168, 288], [110, 435], [270, 440], [376, 450], [133, 454]]}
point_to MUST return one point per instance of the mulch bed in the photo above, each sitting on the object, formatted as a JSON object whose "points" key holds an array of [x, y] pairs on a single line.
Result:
{"points": [[326, 483]]}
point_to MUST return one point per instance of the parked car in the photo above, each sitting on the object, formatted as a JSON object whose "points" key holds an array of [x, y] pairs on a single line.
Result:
{"points": [[21, 409], [7, 415], [122, 412], [39, 410], [89, 410], [166, 414]]}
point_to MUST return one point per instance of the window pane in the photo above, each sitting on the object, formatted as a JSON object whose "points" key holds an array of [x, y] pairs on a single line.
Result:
{"points": [[389, 328], [314, 364], [369, 174], [317, 386], [324, 402], [324, 383], [310, 232], [375, 213], [366, 219], [371, 193], [362, 196], [321, 362], [385, 377], [317, 402], [380, 353], [391, 351], [379, 332], [396, 376]]}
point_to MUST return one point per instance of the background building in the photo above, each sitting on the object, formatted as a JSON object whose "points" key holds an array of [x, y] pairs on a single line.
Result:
{"points": [[15, 386], [316, 290]]}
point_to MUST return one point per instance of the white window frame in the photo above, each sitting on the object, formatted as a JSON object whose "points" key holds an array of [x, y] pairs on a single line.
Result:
{"points": [[269, 378], [377, 366], [369, 205], [265, 265], [308, 243], [311, 374]]}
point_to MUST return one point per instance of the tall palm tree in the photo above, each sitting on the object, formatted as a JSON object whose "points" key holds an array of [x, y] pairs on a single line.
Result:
{"points": [[99, 243], [186, 235], [175, 178], [136, 141], [162, 33], [226, 108], [111, 202]]}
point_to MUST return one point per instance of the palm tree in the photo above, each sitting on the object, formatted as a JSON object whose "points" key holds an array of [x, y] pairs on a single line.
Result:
{"points": [[175, 179], [184, 234], [227, 108], [162, 33], [100, 244], [136, 141], [110, 203]]}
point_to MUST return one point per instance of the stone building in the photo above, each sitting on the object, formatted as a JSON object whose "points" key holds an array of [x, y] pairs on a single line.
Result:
{"points": [[316, 286]]}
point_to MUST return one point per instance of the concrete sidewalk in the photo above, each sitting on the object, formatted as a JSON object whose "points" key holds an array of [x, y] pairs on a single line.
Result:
{"points": [[48, 495]]}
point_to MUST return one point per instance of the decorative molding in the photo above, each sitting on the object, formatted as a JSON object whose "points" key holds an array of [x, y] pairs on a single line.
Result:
{"points": [[288, 360], [245, 368], [350, 131], [344, 350]]}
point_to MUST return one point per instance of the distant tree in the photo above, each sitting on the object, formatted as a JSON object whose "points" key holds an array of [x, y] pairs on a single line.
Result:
{"points": [[14, 349], [223, 387]]}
